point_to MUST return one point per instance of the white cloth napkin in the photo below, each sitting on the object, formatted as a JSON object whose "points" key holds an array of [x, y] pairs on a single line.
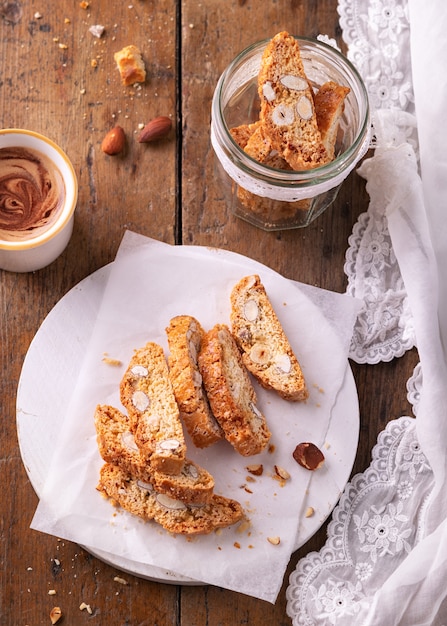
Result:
{"points": [[415, 593], [385, 561]]}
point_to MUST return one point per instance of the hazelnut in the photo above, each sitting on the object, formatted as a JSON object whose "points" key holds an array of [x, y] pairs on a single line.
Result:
{"points": [[260, 353], [308, 455], [283, 115]]}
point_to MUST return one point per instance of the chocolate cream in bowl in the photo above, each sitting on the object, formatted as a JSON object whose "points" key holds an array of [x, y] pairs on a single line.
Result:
{"points": [[32, 193]]}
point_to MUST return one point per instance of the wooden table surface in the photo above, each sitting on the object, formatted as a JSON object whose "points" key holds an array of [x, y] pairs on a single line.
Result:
{"points": [[58, 79]]}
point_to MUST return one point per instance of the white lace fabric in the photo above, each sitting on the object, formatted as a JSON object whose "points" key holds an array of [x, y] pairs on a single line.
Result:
{"points": [[385, 559], [373, 528], [384, 328], [377, 523], [377, 35]]}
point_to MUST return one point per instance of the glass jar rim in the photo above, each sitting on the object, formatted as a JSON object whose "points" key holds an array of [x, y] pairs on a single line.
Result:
{"points": [[227, 147]]}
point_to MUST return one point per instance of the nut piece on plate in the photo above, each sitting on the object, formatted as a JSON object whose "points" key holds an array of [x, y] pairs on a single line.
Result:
{"points": [[114, 142], [309, 511], [157, 128], [255, 469], [275, 541], [308, 455], [281, 473], [130, 65]]}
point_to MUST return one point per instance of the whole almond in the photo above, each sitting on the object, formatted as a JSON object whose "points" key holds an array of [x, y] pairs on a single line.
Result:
{"points": [[114, 141], [157, 128]]}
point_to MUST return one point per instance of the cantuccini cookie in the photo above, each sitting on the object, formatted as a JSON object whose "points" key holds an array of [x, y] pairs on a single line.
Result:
{"points": [[174, 515], [117, 446], [146, 392], [295, 123], [329, 107], [287, 105], [241, 134], [259, 145], [185, 335], [231, 393], [265, 348], [259, 148]]}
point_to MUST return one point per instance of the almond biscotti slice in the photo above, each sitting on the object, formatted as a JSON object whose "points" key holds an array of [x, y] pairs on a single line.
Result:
{"points": [[116, 444], [175, 516], [146, 392], [259, 145], [266, 351], [287, 105], [184, 338], [230, 392], [241, 134], [329, 107]]}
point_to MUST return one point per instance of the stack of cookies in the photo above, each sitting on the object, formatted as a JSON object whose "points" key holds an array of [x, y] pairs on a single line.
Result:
{"points": [[203, 386], [297, 127]]}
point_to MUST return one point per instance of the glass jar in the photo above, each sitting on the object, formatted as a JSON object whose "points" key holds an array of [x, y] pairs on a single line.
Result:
{"points": [[274, 199]]}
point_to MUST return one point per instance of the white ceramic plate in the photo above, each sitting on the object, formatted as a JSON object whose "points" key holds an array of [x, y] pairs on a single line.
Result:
{"points": [[49, 374]]}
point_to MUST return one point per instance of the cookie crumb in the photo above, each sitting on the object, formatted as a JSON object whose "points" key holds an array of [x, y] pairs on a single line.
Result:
{"points": [[275, 541]]}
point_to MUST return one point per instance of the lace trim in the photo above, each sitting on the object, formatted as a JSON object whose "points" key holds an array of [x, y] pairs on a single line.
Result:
{"points": [[380, 516], [377, 34], [384, 328], [376, 524], [414, 386]]}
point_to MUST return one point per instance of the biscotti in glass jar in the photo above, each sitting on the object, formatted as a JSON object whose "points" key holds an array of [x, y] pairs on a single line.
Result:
{"points": [[269, 192]]}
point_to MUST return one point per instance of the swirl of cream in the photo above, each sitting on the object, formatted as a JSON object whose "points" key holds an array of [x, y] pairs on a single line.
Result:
{"points": [[31, 193]]}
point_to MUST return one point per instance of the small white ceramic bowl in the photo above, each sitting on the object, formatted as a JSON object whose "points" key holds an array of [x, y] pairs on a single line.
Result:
{"points": [[37, 252]]}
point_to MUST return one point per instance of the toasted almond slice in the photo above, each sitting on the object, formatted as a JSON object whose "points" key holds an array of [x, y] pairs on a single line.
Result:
{"points": [[297, 83], [170, 503], [251, 310], [283, 363], [255, 469], [304, 108], [140, 400], [282, 473], [268, 91]]}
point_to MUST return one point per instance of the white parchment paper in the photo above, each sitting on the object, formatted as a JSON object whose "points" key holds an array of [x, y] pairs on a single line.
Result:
{"points": [[149, 283]]}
